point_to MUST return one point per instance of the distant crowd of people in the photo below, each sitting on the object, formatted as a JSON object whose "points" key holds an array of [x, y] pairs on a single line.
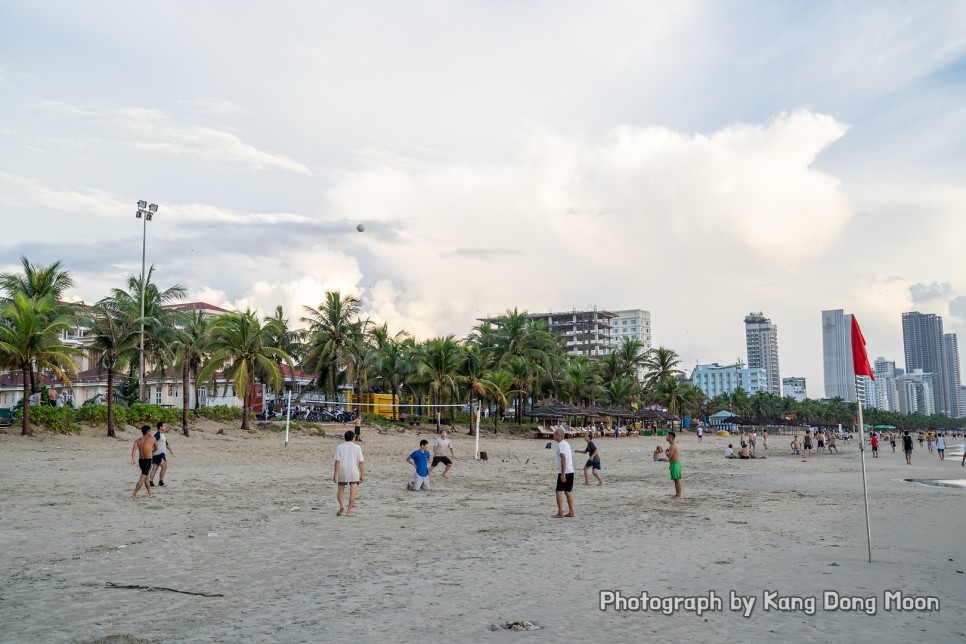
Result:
{"points": [[748, 446]]}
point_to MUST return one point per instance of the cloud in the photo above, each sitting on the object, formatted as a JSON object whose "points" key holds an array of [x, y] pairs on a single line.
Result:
{"points": [[572, 211], [152, 129], [214, 105], [922, 293], [957, 307]]}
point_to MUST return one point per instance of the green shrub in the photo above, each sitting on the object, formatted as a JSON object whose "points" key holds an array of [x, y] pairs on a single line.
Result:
{"points": [[57, 419], [97, 415], [221, 413], [142, 414]]}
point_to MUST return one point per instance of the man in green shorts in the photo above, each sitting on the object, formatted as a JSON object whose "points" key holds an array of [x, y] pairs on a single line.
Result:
{"points": [[672, 456]]}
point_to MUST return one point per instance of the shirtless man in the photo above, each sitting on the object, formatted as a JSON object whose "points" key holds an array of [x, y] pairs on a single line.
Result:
{"points": [[674, 464], [144, 448], [796, 447]]}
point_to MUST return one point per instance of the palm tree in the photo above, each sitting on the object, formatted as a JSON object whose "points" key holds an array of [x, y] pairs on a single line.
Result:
{"points": [[631, 354], [393, 366], [29, 334], [680, 398], [660, 365], [620, 391], [440, 360], [581, 382], [474, 373], [115, 342], [190, 349], [37, 281], [740, 402], [160, 320], [283, 337], [332, 328], [502, 388], [239, 343]]}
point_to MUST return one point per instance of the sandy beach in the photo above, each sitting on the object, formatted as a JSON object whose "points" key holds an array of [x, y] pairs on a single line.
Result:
{"points": [[243, 517]]}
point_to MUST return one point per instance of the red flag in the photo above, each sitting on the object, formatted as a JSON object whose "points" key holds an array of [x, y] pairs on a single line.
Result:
{"points": [[860, 359]]}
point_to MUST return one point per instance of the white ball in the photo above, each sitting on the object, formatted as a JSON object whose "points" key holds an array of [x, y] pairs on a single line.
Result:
{"points": [[360, 228]]}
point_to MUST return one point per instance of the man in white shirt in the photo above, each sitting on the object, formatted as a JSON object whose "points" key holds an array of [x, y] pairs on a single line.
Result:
{"points": [[442, 450], [349, 471], [700, 433], [564, 458], [730, 452], [160, 458]]}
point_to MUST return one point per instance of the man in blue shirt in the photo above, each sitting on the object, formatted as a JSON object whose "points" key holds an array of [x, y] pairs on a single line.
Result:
{"points": [[420, 460]]}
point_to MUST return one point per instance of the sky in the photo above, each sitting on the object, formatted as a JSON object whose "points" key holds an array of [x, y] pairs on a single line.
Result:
{"points": [[699, 160]]}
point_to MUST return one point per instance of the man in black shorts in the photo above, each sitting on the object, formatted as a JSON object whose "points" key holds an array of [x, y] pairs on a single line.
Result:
{"points": [[358, 428], [144, 448], [564, 458], [440, 449], [160, 458], [593, 461], [907, 447]]}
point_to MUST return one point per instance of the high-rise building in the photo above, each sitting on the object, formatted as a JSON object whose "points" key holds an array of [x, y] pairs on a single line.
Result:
{"points": [[794, 387], [761, 338], [714, 379], [922, 338], [837, 355], [916, 393], [582, 333], [634, 324], [885, 384], [954, 383]]}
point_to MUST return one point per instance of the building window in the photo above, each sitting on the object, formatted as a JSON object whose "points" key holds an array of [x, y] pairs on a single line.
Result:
{"points": [[157, 395]]}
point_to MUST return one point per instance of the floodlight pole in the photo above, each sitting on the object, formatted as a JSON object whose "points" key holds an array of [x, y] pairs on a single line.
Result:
{"points": [[144, 213]]}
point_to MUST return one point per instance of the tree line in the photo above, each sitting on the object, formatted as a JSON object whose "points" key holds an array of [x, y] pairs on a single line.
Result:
{"points": [[509, 363]]}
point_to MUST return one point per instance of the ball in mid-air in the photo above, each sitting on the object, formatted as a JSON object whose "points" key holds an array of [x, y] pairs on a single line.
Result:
{"points": [[360, 228]]}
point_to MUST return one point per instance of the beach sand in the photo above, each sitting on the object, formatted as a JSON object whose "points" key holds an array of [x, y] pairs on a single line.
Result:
{"points": [[246, 518]]}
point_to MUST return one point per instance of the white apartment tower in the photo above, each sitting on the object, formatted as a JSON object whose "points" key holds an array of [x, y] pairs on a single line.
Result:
{"points": [[837, 355], [634, 324], [794, 387], [761, 338], [885, 384]]}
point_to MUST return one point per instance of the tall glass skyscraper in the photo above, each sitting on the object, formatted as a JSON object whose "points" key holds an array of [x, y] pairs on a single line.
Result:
{"points": [[922, 338]]}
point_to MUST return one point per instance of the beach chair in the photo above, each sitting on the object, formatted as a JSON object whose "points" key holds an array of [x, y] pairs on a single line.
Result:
{"points": [[542, 432]]}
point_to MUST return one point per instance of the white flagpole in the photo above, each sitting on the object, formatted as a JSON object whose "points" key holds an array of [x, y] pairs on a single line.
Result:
{"points": [[865, 485], [288, 415]]}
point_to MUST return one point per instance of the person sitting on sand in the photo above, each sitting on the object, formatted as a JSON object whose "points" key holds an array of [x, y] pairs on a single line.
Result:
{"points": [[745, 450], [658, 454], [796, 446], [729, 453]]}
